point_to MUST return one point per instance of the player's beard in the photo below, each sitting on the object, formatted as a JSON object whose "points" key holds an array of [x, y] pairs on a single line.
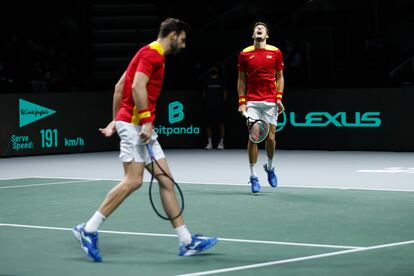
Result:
{"points": [[174, 47]]}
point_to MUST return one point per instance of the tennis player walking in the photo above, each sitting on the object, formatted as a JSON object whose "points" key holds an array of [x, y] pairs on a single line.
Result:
{"points": [[134, 104], [260, 87]]}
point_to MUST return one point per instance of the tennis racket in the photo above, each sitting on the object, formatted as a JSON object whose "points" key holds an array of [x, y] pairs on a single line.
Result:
{"points": [[258, 129], [156, 192]]}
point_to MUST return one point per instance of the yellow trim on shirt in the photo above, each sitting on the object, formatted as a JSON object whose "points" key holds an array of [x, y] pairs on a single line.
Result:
{"points": [[134, 118], [271, 48], [248, 49], [157, 47], [267, 47]]}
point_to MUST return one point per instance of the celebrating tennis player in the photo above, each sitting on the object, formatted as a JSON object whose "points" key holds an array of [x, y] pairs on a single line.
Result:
{"points": [[260, 87], [134, 104]]}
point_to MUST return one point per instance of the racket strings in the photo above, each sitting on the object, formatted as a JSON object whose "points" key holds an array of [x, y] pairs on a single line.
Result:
{"points": [[259, 131]]}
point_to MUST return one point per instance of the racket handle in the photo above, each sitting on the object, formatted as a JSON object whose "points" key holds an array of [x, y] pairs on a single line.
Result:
{"points": [[150, 151]]}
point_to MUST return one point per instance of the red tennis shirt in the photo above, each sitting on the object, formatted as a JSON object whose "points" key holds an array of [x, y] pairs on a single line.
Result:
{"points": [[149, 60], [260, 67]]}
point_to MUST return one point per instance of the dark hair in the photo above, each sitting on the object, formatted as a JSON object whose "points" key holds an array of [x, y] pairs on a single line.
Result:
{"points": [[262, 23], [173, 25]]}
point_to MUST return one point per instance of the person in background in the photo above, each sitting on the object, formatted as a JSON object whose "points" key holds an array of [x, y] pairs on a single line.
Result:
{"points": [[215, 95]]}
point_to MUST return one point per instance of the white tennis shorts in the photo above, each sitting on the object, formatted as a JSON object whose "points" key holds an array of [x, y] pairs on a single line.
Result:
{"points": [[132, 148], [262, 110]]}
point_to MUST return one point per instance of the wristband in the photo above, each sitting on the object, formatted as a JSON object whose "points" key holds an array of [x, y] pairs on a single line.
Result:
{"points": [[279, 95], [144, 116], [242, 100]]}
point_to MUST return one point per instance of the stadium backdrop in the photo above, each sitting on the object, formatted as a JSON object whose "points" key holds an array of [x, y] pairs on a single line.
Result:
{"points": [[316, 119]]}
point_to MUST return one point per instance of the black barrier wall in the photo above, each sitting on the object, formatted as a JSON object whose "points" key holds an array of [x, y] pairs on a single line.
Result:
{"points": [[348, 119], [328, 119]]}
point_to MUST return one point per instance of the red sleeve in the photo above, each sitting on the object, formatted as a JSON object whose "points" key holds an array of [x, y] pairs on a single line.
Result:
{"points": [[280, 65], [241, 65], [146, 66]]}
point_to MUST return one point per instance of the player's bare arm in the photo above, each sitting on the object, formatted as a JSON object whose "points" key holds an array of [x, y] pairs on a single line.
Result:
{"points": [[140, 95], [280, 80], [241, 90]]}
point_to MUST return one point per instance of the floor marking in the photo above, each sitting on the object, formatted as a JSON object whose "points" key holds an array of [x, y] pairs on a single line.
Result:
{"points": [[46, 184], [390, 170], [318, 256], [171, 235], [223, 184]]}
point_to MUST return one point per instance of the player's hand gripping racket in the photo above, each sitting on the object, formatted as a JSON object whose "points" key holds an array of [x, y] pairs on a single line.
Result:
{"points": [[258, 129], [167, 202]]}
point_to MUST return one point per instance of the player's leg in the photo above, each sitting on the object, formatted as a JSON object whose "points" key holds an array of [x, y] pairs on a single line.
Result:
{"points": [[167, 192], [133, 163], [253, 152], [132, 155], [271, 117], [270, 144], [253, 111], [188, 244], [132, 181], [87, 233]]}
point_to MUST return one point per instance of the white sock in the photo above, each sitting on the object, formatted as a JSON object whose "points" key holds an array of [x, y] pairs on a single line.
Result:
{"points": [[269, 163], [94, 222], [210, 141], [222, 141], [252, 170], [183, 234]]}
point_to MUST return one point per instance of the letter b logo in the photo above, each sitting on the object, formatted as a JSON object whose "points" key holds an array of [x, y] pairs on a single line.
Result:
{"points": [[175, 112]]}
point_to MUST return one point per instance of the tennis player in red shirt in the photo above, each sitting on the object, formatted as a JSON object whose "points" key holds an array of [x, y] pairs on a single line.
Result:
{"points": [[260, 87], [134, 104]]}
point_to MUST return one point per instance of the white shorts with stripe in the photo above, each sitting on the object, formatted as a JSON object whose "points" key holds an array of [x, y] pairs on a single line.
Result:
{"points": [[132, 148], [262, 110]]}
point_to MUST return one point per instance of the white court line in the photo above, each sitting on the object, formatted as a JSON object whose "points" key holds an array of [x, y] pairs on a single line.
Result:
{"points": [[302, 187], [244, 267], [171, 235], [23, 177], [223, 184], [292, 243], [45, 184]]}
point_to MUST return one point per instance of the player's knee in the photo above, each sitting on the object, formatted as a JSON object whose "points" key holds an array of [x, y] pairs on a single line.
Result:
{"points": [[132, 184], [166, 183], [271, 138]]}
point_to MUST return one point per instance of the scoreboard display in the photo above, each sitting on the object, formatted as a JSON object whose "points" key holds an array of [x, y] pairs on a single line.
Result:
{"points": [[54, 123], [35, 124]]}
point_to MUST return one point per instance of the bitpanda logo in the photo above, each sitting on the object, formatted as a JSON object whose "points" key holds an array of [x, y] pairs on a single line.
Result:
{"points": [[175, 115]]}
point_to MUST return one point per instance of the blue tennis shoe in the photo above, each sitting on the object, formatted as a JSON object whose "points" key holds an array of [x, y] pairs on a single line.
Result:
{"points": [[198, 244], [88, 241], [271, 176], [254, 181]]}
